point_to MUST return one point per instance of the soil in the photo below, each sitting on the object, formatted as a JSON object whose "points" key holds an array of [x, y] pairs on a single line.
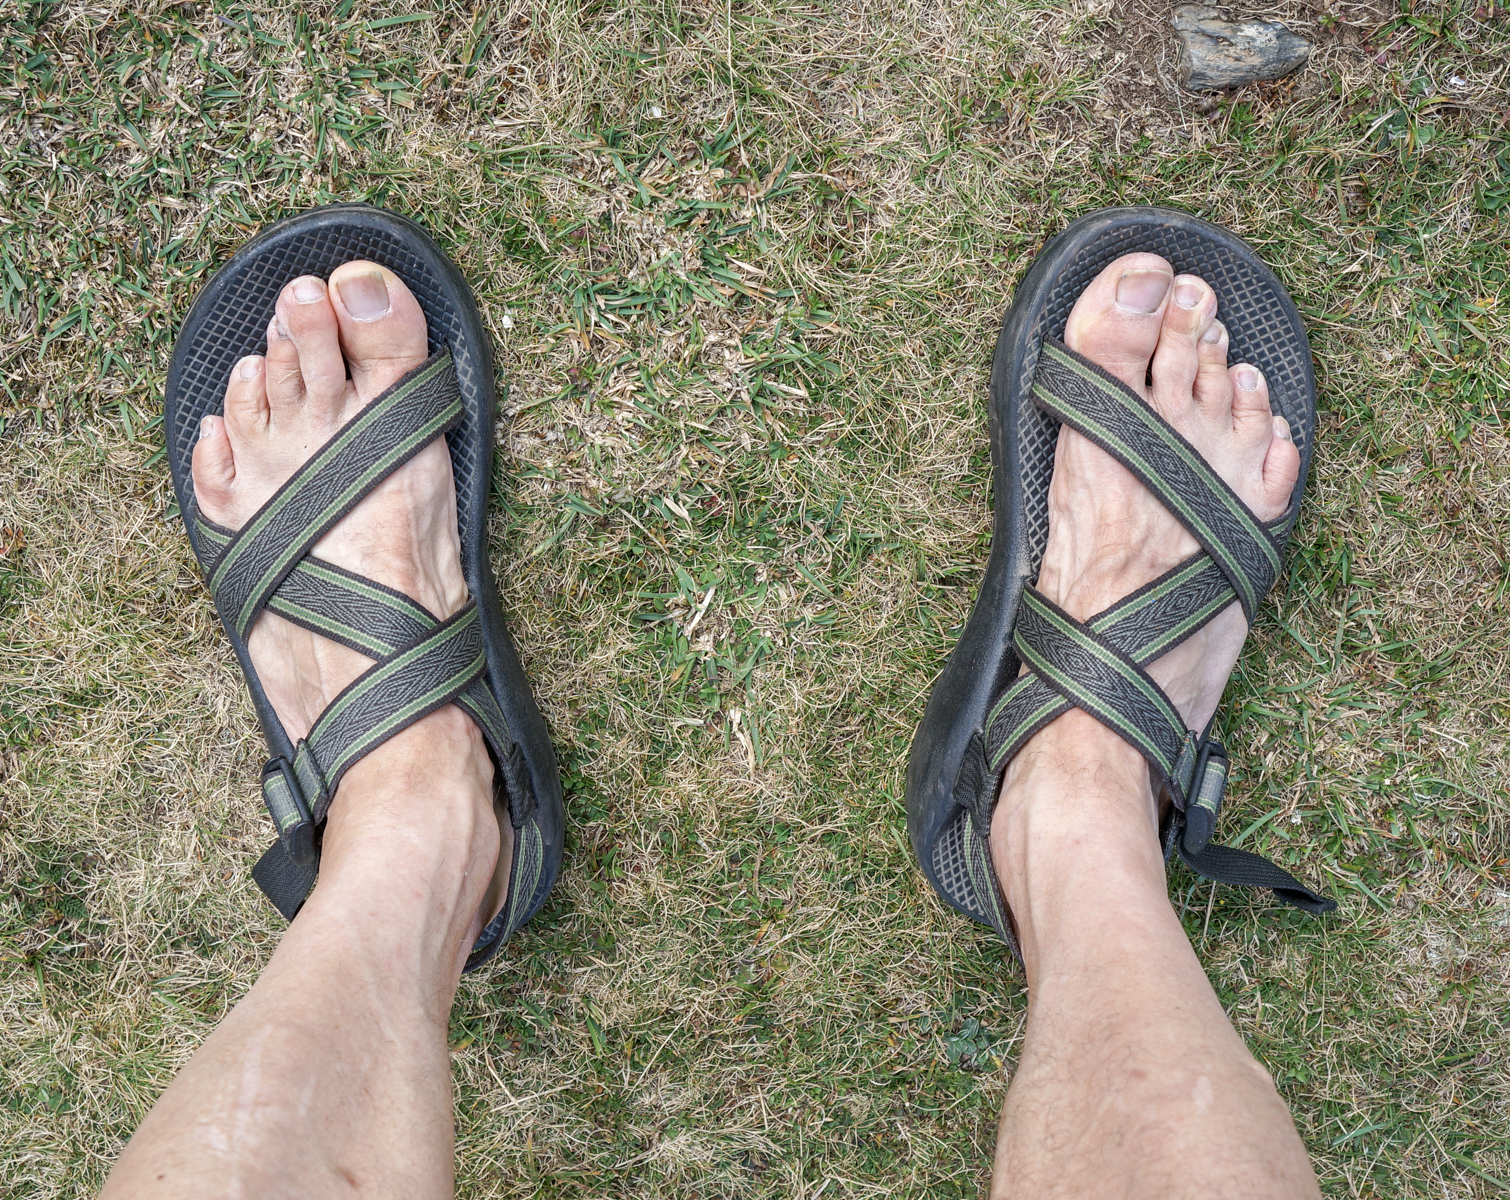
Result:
{"points": [[1141, 54]]}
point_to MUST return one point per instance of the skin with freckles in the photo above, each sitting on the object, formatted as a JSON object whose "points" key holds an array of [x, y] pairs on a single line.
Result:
{"points": [[1132, 1082], [331, 1077]]}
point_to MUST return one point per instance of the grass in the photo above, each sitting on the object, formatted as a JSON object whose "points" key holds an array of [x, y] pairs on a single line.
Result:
{"points": [[744, 263]]}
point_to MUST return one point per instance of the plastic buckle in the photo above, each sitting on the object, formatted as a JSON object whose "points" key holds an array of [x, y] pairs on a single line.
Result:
{"points": [[296, 827], [1204, 803]]}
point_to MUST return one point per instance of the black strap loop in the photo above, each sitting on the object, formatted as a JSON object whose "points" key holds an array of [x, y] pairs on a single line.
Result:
{"points": [[1203, 803]]}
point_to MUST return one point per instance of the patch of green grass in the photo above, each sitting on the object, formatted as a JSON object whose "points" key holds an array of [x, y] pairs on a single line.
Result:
{"points": [[744, 266]]}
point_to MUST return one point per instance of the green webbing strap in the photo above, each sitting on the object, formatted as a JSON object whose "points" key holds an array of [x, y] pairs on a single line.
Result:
{"points": [[284, 799], [386, 699], [382, 437], [421, 663], [1144, 626], [524, 879], [1093, 675], [1104, 409], [381, 702], [1097, 665], [338, 604], [1203, 803], [377, 621]]}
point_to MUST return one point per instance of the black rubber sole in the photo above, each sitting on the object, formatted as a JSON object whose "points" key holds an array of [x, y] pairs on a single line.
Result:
{"points": [[1265, 329], [229, 320]]}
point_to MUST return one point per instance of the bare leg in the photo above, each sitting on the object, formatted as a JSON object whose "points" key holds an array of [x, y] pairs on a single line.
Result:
{"points": [[331, 1078], [1132, 1082]]}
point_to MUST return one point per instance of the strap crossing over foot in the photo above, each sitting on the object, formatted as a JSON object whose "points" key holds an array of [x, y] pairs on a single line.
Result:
{"points": [[1099, 665], [421, 663]]}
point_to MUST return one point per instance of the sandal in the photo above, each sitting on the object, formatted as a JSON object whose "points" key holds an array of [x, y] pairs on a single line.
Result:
{"points": [[420, 663], [983, 708]]}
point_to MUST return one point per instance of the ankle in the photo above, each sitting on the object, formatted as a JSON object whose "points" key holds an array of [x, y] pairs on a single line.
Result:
{"points": [[1076, 825], [412, 839], [1077, 769], [443, 750]]}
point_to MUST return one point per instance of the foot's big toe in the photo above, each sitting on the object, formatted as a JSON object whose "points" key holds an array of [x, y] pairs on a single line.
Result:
{"points": [[382, 327], [1116, 321]]}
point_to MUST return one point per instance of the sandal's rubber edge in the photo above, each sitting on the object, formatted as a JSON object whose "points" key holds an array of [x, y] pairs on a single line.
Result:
{"points": [[506, 674], [983, 662]]}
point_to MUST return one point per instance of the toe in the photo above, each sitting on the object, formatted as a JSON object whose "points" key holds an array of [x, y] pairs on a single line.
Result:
{"points": [[382, 326], [246, 397], [284, 384], [1250, 399], [1176, 362], [214, 469], [306, 319], [1213, 386], [1281, 469], [1116, 321]]}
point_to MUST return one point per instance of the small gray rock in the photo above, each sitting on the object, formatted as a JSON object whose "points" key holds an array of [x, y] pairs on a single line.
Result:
{"points": [[1223, 54]]}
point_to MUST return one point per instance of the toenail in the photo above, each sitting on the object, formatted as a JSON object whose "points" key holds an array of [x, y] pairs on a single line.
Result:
{"points": [[280, 326], [248, 367], [1187, 295], [1248, 379], [205, 427], [1213, 335], [365, 296], [1282, 429], [308, 291], [1142, 291]]}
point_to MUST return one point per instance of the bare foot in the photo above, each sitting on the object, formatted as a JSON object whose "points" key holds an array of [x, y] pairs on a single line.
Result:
{"points": [[278, 411], [1108, 535]]}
